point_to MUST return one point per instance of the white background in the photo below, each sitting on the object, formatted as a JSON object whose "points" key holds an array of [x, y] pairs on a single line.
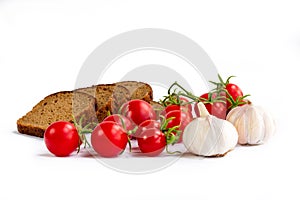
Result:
{"points": [[44, 43]]}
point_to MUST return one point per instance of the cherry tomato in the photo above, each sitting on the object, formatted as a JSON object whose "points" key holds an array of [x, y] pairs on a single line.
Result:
{"points": [[171, 108], [109, 139], [187, 107], [234, 91], [119, 119], [181, 119], [217, 109], [138, 111], [61, 138], [186, 102], [177, 118], [152, 142], [146, 125]]}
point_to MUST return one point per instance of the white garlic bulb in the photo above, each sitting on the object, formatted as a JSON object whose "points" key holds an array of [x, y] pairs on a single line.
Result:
{"points": [[254, 124], [209, 135]]}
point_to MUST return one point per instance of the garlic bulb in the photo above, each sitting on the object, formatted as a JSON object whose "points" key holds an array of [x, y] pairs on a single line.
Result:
{"points": [[254, 124], [209, 135]]}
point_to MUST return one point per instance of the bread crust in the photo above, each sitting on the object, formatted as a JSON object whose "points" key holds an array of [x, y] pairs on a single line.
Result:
{"points": [[38, 130], [118, 94], [148, 96], [129, 90]]}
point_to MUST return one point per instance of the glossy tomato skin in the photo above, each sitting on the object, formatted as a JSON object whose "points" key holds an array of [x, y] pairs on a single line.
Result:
{"points": [[181, 119], [109, 139], [152, 142], [138, 111], [61, 138], [217, 109], [176, 107], [187, 107], [146, 125], [177, 118], [118, 119], [170, 108], [234, 90], [186, 101]]}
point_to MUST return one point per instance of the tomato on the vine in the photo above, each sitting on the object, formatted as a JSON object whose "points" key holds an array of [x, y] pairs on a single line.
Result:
{"points": [[152, 142], [185, 102], [109, 139], [170, 108], [181, 102], [138, 111], [121, 120], [234, 91], [234, 94], [181, 119], [61, 138], [215, 108]]}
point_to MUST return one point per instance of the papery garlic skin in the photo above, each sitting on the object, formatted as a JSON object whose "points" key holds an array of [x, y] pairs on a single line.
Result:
{"points": [[254, 125], [210, 136]]}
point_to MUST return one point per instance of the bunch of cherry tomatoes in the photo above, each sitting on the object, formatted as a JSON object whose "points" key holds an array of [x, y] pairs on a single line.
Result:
{"points": [[137, 120]]}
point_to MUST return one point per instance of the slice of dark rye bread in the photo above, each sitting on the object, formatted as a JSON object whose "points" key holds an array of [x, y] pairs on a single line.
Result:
{"points": [[108, 98], [55, 107], [138, 90]]}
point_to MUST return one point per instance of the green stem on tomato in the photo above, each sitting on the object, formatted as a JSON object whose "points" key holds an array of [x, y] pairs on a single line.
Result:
{"points": [[169, 152], [82, 131], [129, 143]]}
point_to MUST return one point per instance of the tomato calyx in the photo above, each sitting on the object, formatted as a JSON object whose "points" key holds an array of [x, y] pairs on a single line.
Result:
{"points": [[213, 97], [240, 100], [222, 83], [174, 97], [184, 92], [172, 134], [82, 131], [226, 87]]}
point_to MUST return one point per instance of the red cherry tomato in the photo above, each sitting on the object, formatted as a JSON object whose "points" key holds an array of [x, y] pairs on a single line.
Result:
{"points": [[235, 92], [177, 118], [217, 109], [152, 142], [186, 102], [176, 107], [171, 108], [181, 119], [61, 138], [146, 125], [119, 119], [109, 139], [138, 111]]}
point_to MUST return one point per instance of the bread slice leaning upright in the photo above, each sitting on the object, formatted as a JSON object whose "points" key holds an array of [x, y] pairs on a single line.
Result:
{"points": [[109, 98], [93, 103], [138, 90], [56, 107]]}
